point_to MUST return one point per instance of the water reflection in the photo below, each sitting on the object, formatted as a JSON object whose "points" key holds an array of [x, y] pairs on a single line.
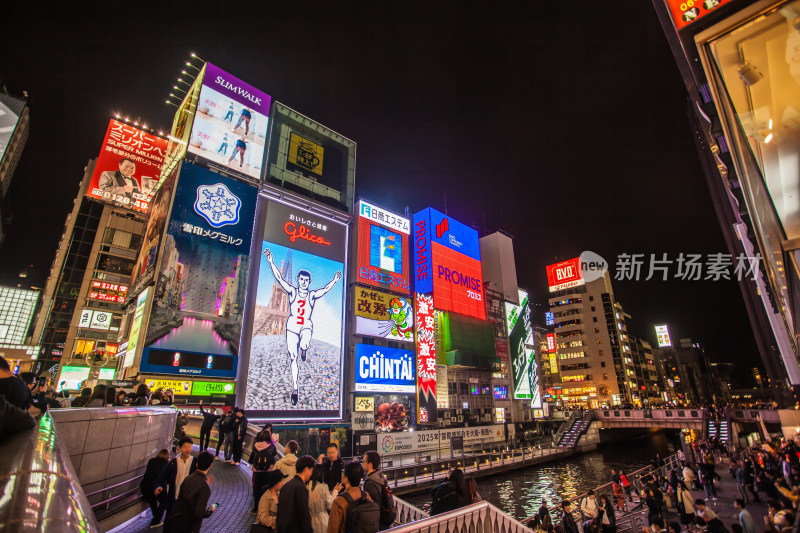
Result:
{"points": [[520, 493]]}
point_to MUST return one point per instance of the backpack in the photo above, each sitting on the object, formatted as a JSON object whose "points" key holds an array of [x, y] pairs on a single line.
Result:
{"points": [[388, 513], [262, 460], [363, 515]]}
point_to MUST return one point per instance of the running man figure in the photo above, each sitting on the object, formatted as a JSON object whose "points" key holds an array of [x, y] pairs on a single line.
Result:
{"points": [[299, 327]]}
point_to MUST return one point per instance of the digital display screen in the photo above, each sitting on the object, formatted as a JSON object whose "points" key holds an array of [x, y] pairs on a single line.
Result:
{"points": [[381, 369], [108, 292], [383, 315], [383, 259]]}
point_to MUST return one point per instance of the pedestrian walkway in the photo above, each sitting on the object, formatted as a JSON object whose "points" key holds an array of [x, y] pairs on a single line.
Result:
{"points": [[231, 487]]}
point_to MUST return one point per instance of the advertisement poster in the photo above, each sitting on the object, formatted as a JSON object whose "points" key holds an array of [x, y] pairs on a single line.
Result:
{"points": [[662, 334], [296, 354], [419, 441], [426, 360], [136, 327], [380, 314], [565, 275], [305, 155], [144, 269], [230, 124], [447, 262], [196, 317], [382, 369], [10, 110], [128, 168], [522, 352], [395, 412], [382, 249]]}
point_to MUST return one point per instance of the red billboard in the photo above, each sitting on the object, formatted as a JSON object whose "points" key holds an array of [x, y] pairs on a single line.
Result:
{"points": [[128, 168], [565, 275], [457, 282], [551, 342], [684, 12], [426, 359]]}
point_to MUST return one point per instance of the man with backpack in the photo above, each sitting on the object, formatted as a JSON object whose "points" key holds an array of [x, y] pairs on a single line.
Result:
{"points": [[353, 511], [294, 515], [377, 486]]}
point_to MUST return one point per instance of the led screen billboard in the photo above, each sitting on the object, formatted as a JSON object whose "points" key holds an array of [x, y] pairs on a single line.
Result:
{"points": [[145, 267], [296, 351], [384, 315], [182, 123], [684, 12], [306, 157], [426, 359], [136, 327], [381, 369], [230, 123], [522, 351], [447, 262], [10, 111], [565, 275], [662, 334], [128, 168], [198, 302], [382, 249]]}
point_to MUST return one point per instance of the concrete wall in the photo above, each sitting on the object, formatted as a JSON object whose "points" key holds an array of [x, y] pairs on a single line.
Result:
{"points": [[111, 446]]}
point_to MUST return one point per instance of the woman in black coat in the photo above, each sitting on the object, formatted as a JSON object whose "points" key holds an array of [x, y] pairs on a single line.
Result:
{"points": [[156, 503]]}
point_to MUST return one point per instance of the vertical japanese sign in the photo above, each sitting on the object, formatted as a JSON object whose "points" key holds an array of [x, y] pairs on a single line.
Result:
{"points": [[128, 168], [195, 322], [383, 249], [296, 352], [426, 359], [522, 351], [136, 326]]}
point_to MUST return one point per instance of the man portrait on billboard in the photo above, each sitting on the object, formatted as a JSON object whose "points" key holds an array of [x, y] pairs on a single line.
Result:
{"points": [[239, 149], [299, 327], [120, 183]]}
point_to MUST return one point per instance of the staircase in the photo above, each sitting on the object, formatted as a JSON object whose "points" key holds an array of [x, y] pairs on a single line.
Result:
{"points": [[577, 427]]}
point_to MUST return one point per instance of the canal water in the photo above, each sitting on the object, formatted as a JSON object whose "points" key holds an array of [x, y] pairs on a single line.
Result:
{"points": [[520, 493]]}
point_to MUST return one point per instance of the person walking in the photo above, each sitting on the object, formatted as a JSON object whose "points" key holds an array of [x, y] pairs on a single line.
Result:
{"points": [[353, 510], [239, 433], [377, 486], [268, 504], [262, 461], [156, 503], [209, 417], [288, 462], [226, 427], [745, 519], [294, 515], [192, 505], [320, 500], [450, 494], [332, 466], [173, 474]]}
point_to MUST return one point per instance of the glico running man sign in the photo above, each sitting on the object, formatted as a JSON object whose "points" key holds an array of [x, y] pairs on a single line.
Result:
{"points": [[296, 352]]}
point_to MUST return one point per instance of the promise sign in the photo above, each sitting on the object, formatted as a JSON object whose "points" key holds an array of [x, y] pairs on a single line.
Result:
{"points": [[426, 360]]}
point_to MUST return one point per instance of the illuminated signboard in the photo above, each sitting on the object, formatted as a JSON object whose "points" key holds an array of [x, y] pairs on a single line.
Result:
{"points": [[305, 154], [565, 275], [500, 415], [197, 309], [685, 12], [381, 369], [136, 326], [551, 342], [426, 359], [128, 168], [364, 404], [521, 350], [553, 363], [384, 315], [549, 319], [10, 110], [382, 249], [74, 375], [230, 124], [297, 344], [180, 388], [206, 388], [447, 262], [108, 292], [662, 333], [92, 319]]}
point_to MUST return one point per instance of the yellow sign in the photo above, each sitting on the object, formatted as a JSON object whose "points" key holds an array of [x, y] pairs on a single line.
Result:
{"points": [[365, 404], [500, 414], [178, 387], [305, 154], [553, 364]]}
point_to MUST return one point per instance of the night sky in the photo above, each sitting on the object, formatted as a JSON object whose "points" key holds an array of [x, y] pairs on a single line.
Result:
{"points": [[564, 125]]}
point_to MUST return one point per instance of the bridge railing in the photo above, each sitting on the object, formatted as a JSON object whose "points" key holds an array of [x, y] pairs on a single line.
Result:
{"points": [[478, 517], [40, 485]]}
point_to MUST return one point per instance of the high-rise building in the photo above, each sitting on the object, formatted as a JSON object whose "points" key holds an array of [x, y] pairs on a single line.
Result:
{"points": [[14, 128], [590, 339], [78, 324], [647, 391], [738, 62]]}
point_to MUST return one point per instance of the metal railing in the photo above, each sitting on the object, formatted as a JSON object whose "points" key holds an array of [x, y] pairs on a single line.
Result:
{"points": [[407, 513], [480, 517], [40, 485]]}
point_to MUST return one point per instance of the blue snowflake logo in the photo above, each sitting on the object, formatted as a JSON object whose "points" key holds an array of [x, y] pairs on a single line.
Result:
{"points": [[217, 204]]}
